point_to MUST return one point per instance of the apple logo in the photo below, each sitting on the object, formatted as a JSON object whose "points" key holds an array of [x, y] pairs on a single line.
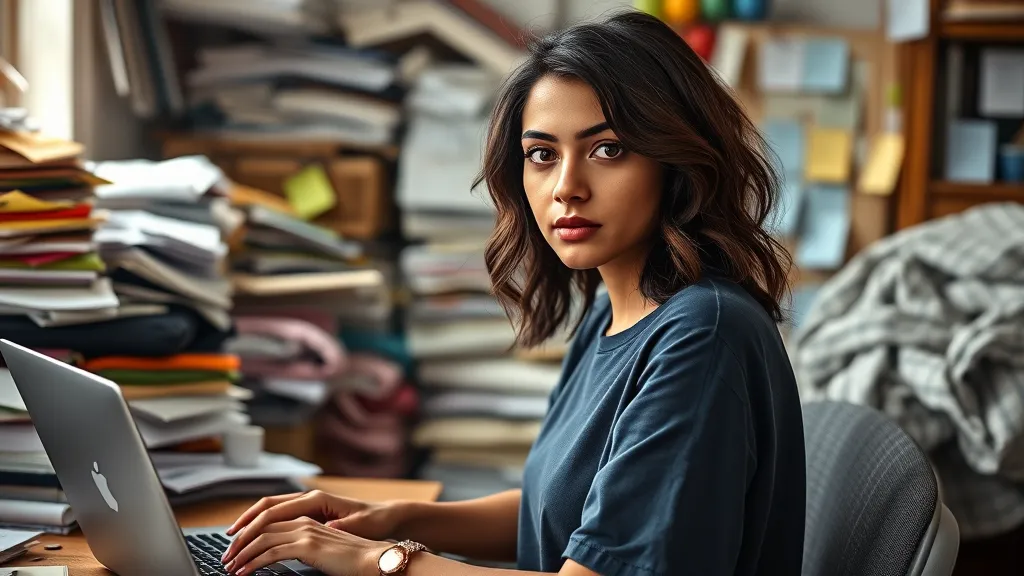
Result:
{"points": [[101, 483]]}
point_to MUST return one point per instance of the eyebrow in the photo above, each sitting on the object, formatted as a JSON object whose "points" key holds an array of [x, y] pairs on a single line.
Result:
{"points": [[585, 133]]}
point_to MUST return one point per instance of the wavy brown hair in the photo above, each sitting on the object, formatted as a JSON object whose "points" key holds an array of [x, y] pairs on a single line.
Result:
{"points": [[664, 103]]}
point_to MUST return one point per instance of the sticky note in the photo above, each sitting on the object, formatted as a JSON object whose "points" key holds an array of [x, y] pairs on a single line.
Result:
{"points": [[310, 192], [785, 219], [826, 65], [826, 228], [971, 151], [883, 166], [786, 137], [791, 106], [844, 110], [730, 52], [804, 297], [828, 157], [1002, 83], [906, 19], [781, 65]]}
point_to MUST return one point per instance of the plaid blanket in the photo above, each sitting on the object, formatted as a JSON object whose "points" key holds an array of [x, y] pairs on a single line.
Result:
{"points": [[927, 325]]}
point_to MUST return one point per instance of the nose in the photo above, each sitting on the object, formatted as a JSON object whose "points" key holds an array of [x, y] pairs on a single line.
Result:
{"points": [[572, 183]]}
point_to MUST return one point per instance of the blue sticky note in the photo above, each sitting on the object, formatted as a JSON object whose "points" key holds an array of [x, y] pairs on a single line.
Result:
{"points": [[786, 217], [826, 65], [786, 137], [971, 151], [804, 296], [825, 228]]}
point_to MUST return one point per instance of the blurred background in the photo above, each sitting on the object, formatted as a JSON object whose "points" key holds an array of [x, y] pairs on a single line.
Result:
{"points": [[259, 211]]}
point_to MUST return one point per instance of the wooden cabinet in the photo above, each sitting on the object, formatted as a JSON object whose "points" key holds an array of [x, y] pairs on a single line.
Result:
{"points": [[923, 193]]}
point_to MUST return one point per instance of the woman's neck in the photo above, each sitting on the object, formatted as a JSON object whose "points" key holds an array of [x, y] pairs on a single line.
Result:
{"points": [[622, 279]]}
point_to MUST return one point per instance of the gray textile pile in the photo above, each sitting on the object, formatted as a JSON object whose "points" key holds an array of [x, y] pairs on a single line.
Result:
{"points": [[928, 326]]}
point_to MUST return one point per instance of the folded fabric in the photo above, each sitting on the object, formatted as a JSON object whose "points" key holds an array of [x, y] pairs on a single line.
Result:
{"points": [[329, 358], [146, 377], [261, 345], [360, 411], [227, 363], [384, 435]]}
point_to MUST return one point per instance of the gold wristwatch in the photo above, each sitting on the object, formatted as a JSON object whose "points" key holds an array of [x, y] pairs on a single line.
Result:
{"points": [[395, 559]]}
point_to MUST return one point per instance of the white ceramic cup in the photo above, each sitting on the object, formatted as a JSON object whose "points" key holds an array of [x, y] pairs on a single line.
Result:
{"points": [[243, 446]]}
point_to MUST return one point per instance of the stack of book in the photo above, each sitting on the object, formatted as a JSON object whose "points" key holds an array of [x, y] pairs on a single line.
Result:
{"points": [[166, 255], [482, 403], [50, 275]]}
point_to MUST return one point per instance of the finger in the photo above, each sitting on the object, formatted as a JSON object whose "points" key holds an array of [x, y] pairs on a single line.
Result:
{"points": [[258, 507], [305, 505], [296, 549], [274, 535]]}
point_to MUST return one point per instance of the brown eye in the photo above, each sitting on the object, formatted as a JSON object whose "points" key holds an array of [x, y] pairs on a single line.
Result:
{"points": [[608, 151], [541, 155]]}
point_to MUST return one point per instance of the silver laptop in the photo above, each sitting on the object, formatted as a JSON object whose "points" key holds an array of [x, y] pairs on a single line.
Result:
{"points": [[105, 471]]}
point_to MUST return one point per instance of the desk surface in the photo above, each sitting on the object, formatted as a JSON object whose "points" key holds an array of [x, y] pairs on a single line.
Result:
{"points": [[76, 556]]}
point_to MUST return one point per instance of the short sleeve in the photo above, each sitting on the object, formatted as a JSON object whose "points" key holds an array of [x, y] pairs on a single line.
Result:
{"points": [[669, 499]]}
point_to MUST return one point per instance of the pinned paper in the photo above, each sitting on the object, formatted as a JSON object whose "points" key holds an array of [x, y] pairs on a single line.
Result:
{"points": [[786, 219], [971, 151], [844, 111], [826, 65], [730, 53], [826, 228], [781, 65], [1001, 91], [882, 169], [310, 192], [786, 137], [829, 156], [906, 19], [804, 296], [791, 106]]}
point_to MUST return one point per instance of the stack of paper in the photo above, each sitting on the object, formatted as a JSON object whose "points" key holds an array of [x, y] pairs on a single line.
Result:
{"points": [[14, 543], [343, 94], [49, 266], [284, 255]]}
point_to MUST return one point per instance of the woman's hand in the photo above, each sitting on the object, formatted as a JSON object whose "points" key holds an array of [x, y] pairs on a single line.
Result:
{"points": [[364, 519], [331, 551]]}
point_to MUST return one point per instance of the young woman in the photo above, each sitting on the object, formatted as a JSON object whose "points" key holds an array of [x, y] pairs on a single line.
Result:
{"points": [[674, 440]]}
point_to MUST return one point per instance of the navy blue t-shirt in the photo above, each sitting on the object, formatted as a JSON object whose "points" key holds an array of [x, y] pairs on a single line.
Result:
{"points": [[674, 447]]}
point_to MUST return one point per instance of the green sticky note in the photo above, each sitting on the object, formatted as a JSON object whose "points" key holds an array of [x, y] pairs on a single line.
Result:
{"points": [[310, 192]]}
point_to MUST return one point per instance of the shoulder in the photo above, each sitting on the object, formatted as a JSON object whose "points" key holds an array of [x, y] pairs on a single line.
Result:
{"points": [[716, 318]]}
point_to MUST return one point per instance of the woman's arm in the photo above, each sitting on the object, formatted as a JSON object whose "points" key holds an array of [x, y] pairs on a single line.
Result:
{"points": [[483, 528]]}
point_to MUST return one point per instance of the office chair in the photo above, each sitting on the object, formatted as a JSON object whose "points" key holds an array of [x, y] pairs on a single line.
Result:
{"points": [[873, 506]]}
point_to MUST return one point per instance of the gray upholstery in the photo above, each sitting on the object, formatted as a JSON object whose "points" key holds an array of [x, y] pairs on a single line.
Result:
{"points": [[873, 504]]}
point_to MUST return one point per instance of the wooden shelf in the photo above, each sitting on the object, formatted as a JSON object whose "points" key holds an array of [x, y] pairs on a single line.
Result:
{"points": [[983, 31], [981, 192]]}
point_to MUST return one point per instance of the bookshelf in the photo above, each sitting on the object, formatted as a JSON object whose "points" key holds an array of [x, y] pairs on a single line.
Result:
{"points": [[923, 194]]}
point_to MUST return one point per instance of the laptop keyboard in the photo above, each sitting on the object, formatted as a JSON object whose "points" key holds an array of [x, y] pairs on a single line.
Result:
{"points": [[207, 550]]}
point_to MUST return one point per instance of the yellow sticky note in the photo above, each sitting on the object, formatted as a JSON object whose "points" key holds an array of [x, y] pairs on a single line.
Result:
{"points": [[310, 192], [883, 166], [829, 156]]}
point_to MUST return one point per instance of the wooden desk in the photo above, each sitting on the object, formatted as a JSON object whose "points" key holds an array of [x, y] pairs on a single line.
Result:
{"points": [[76, 556]]}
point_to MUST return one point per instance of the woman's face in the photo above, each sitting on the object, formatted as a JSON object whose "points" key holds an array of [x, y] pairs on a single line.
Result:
{"points": [[595, 202]]}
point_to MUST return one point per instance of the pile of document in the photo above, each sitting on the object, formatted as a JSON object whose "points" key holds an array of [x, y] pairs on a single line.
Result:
{"points": [[307, 92], [282, 256], [50, 271], [164, 249], [482, 404]]}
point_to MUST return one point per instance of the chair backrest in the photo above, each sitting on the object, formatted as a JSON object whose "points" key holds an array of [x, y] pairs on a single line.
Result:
{"points": [[872, 498]]}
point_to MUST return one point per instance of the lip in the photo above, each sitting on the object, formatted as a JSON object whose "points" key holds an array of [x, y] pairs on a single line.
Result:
{"points": [[575, 228]]}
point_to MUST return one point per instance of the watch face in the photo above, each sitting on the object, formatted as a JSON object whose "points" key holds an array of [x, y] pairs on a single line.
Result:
{"points": [[392, 560]]}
